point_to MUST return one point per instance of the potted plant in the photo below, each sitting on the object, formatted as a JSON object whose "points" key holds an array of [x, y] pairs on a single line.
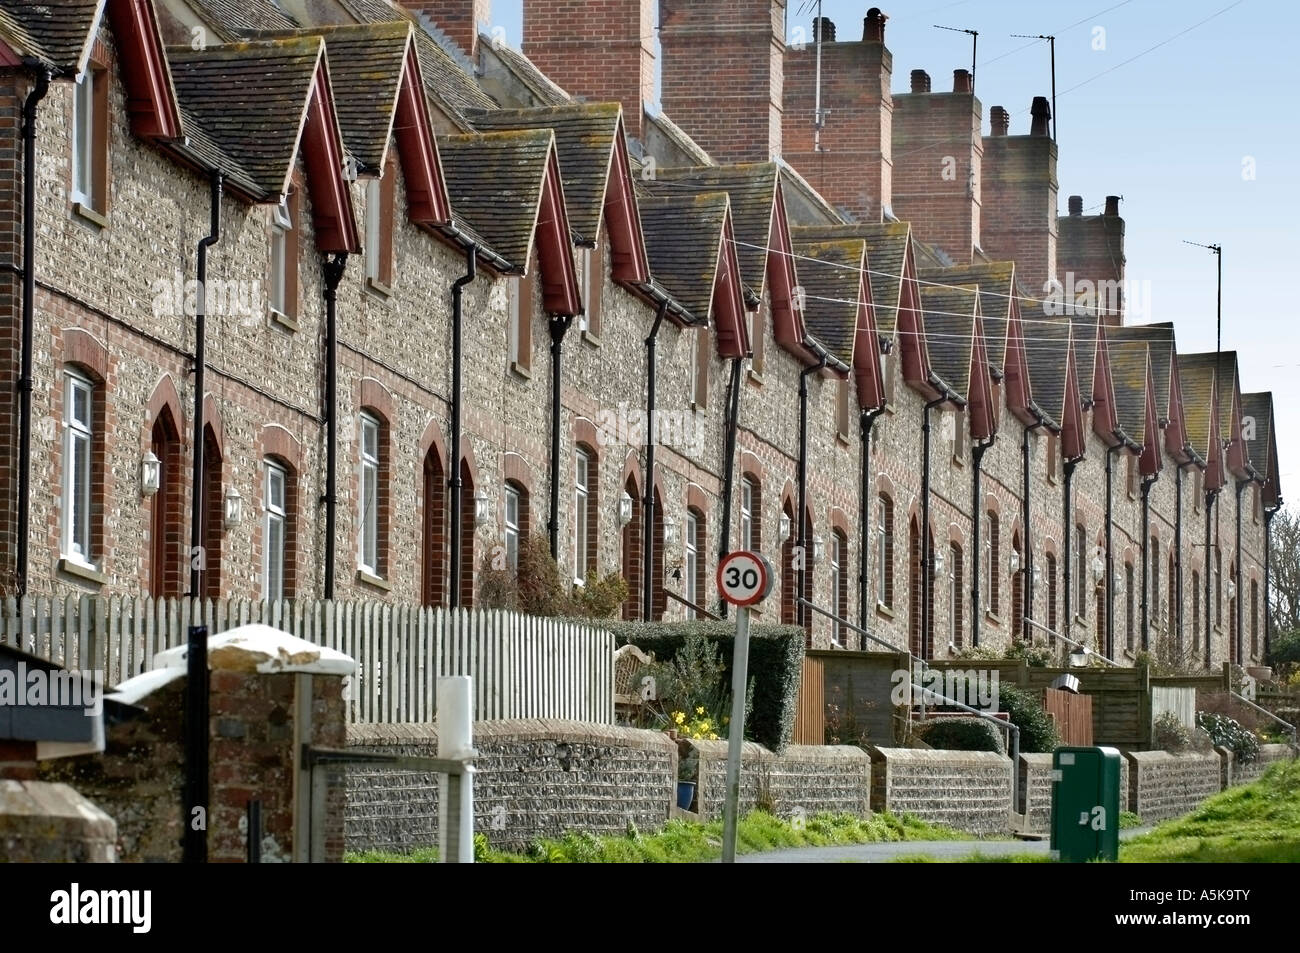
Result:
{"points": [[688, 769]]}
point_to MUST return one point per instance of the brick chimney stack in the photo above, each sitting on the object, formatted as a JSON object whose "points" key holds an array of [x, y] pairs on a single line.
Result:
{"points": [[1092, 249], [601, 52], [937, 171], [1020, 194], [459, 19], [853, 169], [722, 72]]}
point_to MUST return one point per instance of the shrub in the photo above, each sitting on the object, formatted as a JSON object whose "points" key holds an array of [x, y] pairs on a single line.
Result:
{"points": [[963, 734], [1037, 730], [691, 690], [1034, 656], [538, 588], [1229, 733], [775, 666], [1284, 649], [1170, 734]]}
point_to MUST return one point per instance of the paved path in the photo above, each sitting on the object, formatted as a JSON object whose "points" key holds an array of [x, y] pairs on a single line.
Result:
{"points": [[883, 853]]}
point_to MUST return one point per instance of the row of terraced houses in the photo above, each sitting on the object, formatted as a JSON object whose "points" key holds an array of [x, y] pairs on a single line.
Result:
{"points": [[446, 281]]}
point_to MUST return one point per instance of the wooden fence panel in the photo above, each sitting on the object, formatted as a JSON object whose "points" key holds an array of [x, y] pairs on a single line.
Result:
{"points": [[810, 714], [1072, 714]]}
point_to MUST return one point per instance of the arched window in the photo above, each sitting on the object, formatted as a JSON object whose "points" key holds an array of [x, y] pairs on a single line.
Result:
{"points": [[1081, 555], [839, 585], [693, 561], [279, 491], [516, 522], [372, 495], [1129, 610], [168, 545], [751, 514], [1052, 619], [1017, 589], [81, 447], [992, 553], [434, 546], [585, 513]]}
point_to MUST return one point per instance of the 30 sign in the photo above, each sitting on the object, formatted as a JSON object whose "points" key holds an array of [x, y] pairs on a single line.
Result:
{"points": [[744, 578]]}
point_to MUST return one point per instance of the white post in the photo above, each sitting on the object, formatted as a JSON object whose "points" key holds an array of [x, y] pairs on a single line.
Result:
{"points": [[736, 734], [456, 794]]}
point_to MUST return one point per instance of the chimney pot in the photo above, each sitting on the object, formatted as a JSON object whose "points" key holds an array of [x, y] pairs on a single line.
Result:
{"points": [[1112, 205], [1076, 204], [999, 120], [920, 81], [873, 26], [823, 29], [1040, 113], [961, 81]]}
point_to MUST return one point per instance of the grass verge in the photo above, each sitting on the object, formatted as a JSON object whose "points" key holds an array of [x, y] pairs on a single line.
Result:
{"points": [[693, 842]]}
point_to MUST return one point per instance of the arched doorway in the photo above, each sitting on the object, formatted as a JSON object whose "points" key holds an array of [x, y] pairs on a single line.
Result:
{"points": [[789, 615], [915, 586], [212, 525], [467, 527], [433, 547], [167, 563], [632, 552]]}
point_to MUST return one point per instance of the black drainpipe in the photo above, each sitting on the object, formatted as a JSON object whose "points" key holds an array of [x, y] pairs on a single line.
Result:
{"points": [[29, 318], [1146, 557], [802, 612], [977, 452], [454, 483], [1067, 519], [1241, 581], [729, 465], [866, 421], [926, 582], [558, 327], [334, 268], [1110, 551], [648, 505], [1027, 590], [1211, 497], [198, 559], [1268, 578]]}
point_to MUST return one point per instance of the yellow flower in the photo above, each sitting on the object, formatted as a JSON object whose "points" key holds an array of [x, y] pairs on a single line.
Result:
{"points": [[704, 726], [679, 717], [726, 719], [713, 737], [699, 710]]}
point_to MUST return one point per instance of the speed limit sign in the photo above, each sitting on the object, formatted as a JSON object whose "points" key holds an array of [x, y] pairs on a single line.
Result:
{"points": [[744, 578]]}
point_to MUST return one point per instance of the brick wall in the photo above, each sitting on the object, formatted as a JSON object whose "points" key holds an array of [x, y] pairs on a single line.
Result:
{"points": [[1251, 770], [854, 169], [722, 74], [1019, 190], [967, 790], [1091, 247], [938, 154], [1035, 778], [802, 780], [1164, 785], [533, 779], [139, 777]]}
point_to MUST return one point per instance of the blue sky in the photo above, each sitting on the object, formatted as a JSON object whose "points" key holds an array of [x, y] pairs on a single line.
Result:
{"points": [[1172, 131]]}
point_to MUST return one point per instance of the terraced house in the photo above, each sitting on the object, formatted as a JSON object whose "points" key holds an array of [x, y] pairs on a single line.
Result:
{"points": [[457, 295]]}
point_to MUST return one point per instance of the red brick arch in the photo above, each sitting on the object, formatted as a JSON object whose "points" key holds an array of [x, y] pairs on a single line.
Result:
{"points": [[432, 437], [839, 520], [751, 465], [697, 499], [585, 434], [515, 470], [164, 396], [376, 397], [632, 471], [82, 348], [278, 442], [212, 420]]}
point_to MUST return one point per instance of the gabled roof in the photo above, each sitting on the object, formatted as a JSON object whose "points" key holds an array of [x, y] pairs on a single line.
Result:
{"points": [[150, 95], [56, 33], [379, 95], [1261, 442], [1197, 373], [587, 137], [543, 89], [239, 18], [1165, 378], [506, 187], [1049, 352], [258, 106], [1135, 400], [692, 258], [949, 315], [1227, 407], [831, 276], [996, 281], [887, 249]]}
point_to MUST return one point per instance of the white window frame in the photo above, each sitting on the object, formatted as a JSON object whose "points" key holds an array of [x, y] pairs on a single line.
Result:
{"points": [[581, 499], [275, 514], [690, 558], [368, 520], [281, 231], [746, 513], [83, 138], [78, 454], [513, 501], [837, 610], [988, 569], [882, 553]]}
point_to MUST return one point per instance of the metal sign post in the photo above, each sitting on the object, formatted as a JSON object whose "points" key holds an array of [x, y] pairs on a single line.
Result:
{"points": [[744, 579]]}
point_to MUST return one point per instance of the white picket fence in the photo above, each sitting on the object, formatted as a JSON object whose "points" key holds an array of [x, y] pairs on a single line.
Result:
{"points": [[522, 666]]}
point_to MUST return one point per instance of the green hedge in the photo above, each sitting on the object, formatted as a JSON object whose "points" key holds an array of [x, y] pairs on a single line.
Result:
{"points": [[775, 665], [963, 734]]}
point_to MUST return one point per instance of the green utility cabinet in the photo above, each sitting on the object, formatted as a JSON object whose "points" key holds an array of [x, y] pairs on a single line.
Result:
{"points": [[1085, 804]]}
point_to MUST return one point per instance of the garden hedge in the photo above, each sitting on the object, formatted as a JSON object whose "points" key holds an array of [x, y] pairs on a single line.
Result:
{"points": [[776, 655]]}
